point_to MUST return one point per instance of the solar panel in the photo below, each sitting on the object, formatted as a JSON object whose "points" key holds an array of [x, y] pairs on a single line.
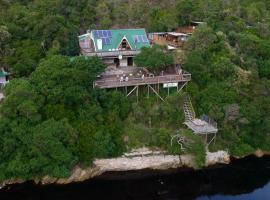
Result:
{"points": [[141, 38], [145, 40], [95, 34], [103, 41], [105, 33], [100, 33], [135, 39], [109, 34], [106, 41]]}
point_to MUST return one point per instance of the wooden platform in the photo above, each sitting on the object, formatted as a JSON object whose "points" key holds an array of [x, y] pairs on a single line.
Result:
{"points": [[114, 82], [110, 54], [199, 126]]}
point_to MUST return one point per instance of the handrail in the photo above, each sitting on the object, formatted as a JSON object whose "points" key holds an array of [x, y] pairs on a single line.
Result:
{"points": [[111, 53], [167, 77], [142, 81]]}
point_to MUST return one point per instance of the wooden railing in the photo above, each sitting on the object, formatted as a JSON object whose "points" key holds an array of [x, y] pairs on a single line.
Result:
{"points": [[87, 52], [116, 82]]}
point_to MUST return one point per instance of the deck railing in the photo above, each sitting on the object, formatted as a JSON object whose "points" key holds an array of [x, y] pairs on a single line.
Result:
{"points": [[117, 82], [87, 52]]}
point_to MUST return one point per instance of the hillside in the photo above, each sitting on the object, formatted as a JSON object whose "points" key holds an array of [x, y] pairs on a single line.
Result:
{"points": [[51, 118]]}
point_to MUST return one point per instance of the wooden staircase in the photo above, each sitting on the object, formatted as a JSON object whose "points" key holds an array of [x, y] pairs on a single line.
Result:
{"points": [[188, 109]]}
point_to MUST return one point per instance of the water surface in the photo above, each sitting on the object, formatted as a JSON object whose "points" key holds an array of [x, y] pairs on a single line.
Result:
{"points": [[246, 179]]}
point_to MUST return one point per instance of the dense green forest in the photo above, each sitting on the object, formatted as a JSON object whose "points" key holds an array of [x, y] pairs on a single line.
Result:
{"points": [[52, 119]]}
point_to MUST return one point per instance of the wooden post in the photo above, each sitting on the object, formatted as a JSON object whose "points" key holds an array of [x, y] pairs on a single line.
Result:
{"points": [[137, 93], [215, 138], [135, 87], [147, 91], [126, 89], [156, 92]]}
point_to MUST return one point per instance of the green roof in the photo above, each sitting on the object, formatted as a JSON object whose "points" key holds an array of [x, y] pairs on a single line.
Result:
{"points": [[116, 37], [3, 73]]}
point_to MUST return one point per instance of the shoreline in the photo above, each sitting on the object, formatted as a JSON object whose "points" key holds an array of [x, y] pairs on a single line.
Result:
{"points": [[139, 161]]}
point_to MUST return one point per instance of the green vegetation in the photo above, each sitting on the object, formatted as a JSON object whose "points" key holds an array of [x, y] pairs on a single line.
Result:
{"points": [[153, 58], [152, 123], [225, 73], [52, 119]]}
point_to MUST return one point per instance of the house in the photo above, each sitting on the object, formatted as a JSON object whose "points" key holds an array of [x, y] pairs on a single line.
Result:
{"points": [[3, 77], [172, 40], [115, 47], [177, 38]]}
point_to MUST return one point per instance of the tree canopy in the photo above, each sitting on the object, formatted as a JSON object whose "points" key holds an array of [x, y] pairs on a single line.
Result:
{"points": [[51, 118], [153, 58]]}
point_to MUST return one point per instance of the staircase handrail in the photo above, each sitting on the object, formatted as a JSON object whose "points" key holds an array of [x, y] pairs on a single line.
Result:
{"points": [[191, 106]]}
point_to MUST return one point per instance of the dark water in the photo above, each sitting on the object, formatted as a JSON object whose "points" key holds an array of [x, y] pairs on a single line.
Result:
{"points": [[246, 179]]}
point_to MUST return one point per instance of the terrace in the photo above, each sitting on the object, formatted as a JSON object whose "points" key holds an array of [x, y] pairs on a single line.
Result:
{"points": [[111, 54], [126, 76]]}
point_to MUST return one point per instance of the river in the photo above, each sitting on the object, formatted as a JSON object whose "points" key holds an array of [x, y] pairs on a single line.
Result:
{"points": [[245, 179]]}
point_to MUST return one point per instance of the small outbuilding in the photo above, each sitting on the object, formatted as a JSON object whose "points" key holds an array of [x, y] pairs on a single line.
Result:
{"points": [[3, 77]]}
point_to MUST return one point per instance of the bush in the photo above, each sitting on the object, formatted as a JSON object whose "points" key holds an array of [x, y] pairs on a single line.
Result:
{"points": [[153, 58]]}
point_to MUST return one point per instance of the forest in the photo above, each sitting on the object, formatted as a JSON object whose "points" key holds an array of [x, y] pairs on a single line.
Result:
{"points": [[52, 119]]}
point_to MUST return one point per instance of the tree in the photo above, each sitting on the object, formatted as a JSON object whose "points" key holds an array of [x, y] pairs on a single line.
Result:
{"points": [[153, 58], [4, 40], [103, 14], [162, 20], [25, 58], [184, 9], [201, 39]]}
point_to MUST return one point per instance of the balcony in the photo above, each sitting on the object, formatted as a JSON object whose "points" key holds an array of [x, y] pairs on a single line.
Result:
{"points": [[114, 82], [110, 54]]}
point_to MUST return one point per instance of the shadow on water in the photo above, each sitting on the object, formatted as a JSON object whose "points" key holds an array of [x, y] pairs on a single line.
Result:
{"points": [[241, 177]]}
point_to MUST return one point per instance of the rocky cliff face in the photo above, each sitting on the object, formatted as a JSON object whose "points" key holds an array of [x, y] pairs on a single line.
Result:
{"points": [[137, 160]]}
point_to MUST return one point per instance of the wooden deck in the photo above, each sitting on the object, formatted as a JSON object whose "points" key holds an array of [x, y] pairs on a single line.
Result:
{"points": [[114, 82], [202, 128], [111, 54]]}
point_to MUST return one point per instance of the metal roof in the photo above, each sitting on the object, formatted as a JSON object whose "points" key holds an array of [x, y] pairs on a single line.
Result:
{"points": [[3, 73], [111, 39]]}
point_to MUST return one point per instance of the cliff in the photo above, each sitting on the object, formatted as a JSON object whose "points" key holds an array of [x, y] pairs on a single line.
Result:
{"points": [[137, 160]]}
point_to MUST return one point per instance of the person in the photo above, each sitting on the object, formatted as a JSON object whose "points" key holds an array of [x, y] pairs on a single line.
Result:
{"points": [[142, 76], [121, 79], [126, 78]]}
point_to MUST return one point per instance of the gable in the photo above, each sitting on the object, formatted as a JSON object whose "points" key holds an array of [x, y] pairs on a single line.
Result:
{"points": [[111, 39]]}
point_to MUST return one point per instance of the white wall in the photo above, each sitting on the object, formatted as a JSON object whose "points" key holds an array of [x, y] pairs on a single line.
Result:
{"points": [[123, 62], [2, 79]]}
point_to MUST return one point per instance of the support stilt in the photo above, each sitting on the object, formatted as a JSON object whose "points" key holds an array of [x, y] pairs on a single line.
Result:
{"points": [[181, 87], [132, 91], [147, 91], [213, 139], [137, 93], [155, 92]]}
